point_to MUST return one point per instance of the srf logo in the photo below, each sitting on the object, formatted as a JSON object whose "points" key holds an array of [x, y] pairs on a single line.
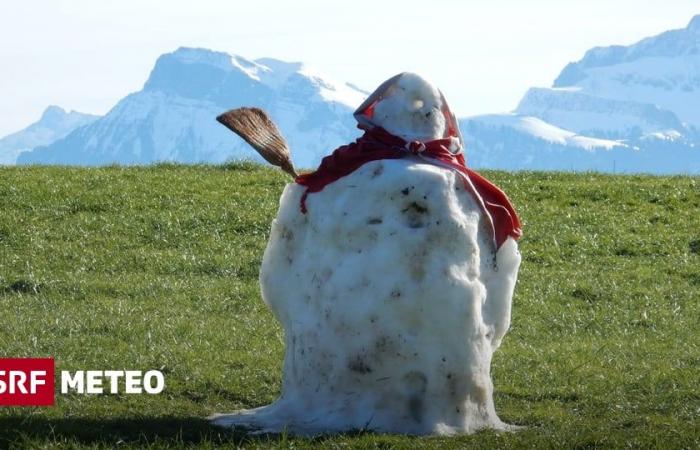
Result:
{"points": [[27, 382]]}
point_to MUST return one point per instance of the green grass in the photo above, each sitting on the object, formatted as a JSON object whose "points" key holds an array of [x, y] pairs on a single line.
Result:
{"points": [[157, 267]]}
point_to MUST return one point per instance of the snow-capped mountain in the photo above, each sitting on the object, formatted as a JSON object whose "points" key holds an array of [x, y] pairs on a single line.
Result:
{"points": [[628, 109], [663, 70], [574, 109], [173, 117], [624, 109], [515, 142], [55, 123]]}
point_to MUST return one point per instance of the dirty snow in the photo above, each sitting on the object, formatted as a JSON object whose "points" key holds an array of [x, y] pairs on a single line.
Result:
{"points": [[391, 302]]}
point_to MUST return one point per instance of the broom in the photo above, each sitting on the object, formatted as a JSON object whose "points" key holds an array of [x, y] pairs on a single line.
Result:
{"points": [[256, 128]]}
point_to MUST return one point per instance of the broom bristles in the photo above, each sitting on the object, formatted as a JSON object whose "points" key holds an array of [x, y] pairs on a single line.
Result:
{"points": [[256, 128]]}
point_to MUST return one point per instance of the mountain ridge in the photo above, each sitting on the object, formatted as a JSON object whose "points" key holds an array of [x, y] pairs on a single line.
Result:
{"points": [[667, 43], [627, 109], [172, 117], [641, 99], [54, 123]]}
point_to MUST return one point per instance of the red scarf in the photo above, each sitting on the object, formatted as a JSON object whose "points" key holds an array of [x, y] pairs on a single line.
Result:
{"points": [[378, 144]]}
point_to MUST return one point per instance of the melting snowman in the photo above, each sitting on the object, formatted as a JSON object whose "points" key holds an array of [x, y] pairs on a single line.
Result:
{"points": [[391, 269]]}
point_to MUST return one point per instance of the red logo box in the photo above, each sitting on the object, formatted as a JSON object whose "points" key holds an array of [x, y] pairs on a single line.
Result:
{"points": [[27, 382]]}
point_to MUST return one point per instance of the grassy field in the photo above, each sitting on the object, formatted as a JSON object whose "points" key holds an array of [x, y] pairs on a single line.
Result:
{"points": [[157, 267]]}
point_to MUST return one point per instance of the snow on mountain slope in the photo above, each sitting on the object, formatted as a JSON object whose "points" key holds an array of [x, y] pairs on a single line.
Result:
{"points": [[624, 109], [54, 124], [663, 70], [513, 142], [173, 117], [540, 129], [574, 110]]}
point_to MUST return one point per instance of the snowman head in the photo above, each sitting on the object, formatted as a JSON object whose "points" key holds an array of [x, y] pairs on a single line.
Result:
{"points": [[408, 106]]}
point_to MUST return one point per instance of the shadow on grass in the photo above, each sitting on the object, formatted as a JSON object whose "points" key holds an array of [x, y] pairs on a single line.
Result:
{"points": [[112, 431]]}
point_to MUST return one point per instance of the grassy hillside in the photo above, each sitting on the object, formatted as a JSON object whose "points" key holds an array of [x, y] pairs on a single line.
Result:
{"points": [[157, 268]]}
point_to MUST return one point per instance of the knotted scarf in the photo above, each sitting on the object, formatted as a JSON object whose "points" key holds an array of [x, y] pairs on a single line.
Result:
{"points": [[377, 143]]}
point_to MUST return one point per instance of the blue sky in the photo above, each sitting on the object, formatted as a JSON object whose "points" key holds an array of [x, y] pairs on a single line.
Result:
{"points": [[87, 54]]}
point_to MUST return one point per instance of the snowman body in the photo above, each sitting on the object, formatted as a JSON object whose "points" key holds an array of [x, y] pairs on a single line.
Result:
{"points": [[393, 299]]}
